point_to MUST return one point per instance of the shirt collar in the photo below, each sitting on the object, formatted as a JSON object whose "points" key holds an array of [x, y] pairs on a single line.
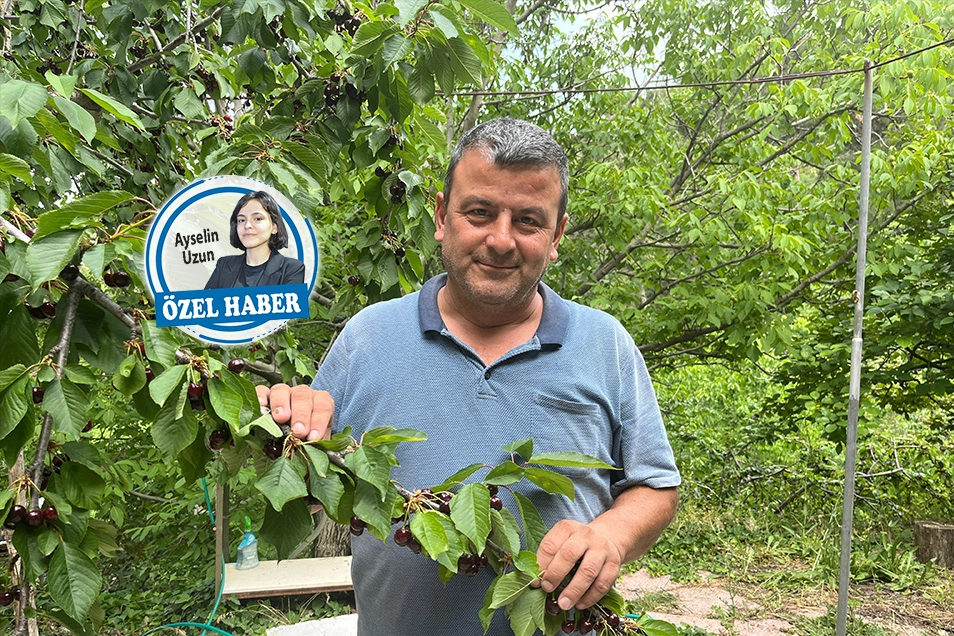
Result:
{"points": [[553, 322]]}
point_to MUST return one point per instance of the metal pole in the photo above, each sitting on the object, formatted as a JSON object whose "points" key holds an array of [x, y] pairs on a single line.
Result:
{"points": [[854, 381]]}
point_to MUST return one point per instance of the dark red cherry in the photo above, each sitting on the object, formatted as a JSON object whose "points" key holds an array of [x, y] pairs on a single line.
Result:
{"points": [[69, 273], [17, 514], [496, 503], [34, 518], [48, 309], [38, 393], [568, 627], [108, 278], [6, 597], [195, 391], [50, 514], [552, 606], [236, 365], [88, 427], [121, 279], [273, 448], [402, 536]]}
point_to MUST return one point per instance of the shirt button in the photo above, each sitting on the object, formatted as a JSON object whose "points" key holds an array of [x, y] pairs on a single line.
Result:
{"points": [[487, 374]]}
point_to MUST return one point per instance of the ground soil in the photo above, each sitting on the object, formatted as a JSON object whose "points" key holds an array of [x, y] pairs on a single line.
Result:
{"points": [[737, 609]]}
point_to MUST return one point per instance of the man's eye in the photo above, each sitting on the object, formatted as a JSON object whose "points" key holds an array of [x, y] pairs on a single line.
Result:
{"points": [[527, 220]]}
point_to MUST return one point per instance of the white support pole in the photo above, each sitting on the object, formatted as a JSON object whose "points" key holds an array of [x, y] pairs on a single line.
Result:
{"points": [[854, 381]]}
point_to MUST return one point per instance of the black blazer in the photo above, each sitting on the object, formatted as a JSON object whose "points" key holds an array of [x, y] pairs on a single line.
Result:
{"points": [[279, 270]]}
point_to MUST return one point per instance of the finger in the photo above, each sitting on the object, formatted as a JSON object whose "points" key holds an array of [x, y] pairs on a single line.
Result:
{"points": [[322, 412], [587, 573], [262, 391], [559, 552], [279, 401], [600, 586]]}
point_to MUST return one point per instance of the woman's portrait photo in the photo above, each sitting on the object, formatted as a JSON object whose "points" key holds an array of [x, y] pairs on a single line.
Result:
{"points": [[256, 227]]}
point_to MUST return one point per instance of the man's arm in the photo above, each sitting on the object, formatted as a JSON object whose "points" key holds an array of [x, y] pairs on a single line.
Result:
{"points": [[619, 535]]}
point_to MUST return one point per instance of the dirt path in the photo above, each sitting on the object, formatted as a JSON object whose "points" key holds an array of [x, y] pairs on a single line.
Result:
{"points": [[733, 609]]}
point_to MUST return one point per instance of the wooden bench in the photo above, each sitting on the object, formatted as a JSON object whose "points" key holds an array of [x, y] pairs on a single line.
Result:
{"points": [[275, 578]]}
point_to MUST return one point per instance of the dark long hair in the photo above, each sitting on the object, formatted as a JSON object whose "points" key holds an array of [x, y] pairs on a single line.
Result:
{"points": [[279, 239]]}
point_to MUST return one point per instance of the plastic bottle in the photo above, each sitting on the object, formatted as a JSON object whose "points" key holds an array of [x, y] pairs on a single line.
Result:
{"points": [[248, 549]]}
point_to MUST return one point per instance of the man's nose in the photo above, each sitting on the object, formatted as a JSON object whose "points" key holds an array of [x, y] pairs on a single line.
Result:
{"points": [[500, 238]]}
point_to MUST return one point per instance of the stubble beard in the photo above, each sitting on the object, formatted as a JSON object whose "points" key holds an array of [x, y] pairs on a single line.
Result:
{"points": [[512, 296]]}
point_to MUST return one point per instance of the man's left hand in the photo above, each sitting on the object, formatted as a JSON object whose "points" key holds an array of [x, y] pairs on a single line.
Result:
{"points": [[597, 560]]}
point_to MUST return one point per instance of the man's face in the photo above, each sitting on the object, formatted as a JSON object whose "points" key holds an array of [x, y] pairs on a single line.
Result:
{"points": [[499, 230]]}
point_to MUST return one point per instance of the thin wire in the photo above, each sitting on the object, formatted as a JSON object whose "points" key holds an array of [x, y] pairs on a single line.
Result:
{"points": [[770, 79]]}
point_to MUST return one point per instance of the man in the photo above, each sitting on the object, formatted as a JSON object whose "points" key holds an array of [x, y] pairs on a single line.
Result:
{"points": [[486, 355]]}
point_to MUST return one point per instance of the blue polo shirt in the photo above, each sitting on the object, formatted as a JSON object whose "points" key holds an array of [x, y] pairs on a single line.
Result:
{"points": [[579, 384]]}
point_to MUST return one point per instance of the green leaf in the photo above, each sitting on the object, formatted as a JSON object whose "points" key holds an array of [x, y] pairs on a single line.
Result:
{"points": [[110, 105], [659, 628], [175, 427], [391, 435], [15, 167], [281, 483], [77, 116], [504, 474], [533, 525], [13, 406], [285, 530], [47, 256], [317, 460], [407, 9], [20, 99], [62, 84], [161, 344], [506, 530], [130, 377], [264, 422], [526, 561], [11, 375], [465, 63], [486, 613], [82, 486], [524, 448], [164, 384], [551, 482], [374, 510], [458, 477], [509, 587], [569, 459], [470, 511], [74, 580], [329, 491], [427, 528], [370, 37], [188, 103], [67, 404], [80, 213], [226, 403], [311, 160], [492, 12], [614, 602], [372, 466], [528, 612]]}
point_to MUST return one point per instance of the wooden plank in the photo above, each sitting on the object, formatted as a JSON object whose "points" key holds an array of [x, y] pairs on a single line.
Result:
{"points": [[291, 576]]}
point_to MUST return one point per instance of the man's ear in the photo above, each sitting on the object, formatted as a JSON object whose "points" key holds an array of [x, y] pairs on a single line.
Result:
{"points": [[440, 216], [561, 226]]}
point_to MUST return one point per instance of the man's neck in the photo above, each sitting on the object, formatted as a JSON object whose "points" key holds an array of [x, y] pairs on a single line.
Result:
{"points": [[490, 331]]}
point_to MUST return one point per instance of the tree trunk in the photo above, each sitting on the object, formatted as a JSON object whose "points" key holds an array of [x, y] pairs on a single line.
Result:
{"points": [[934, 541], [333, 539]]}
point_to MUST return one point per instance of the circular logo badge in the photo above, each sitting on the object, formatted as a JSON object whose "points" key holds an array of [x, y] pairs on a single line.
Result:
{"points": [[229, 260]]}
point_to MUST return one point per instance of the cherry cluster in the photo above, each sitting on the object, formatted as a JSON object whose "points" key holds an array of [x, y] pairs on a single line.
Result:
{"points": [[584, 621], [41, 312], [345, 21], [33, 518], [117, 279]]}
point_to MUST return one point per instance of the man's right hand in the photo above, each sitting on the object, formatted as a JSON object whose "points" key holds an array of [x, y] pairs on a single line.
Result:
{"points": [[307, 411]]}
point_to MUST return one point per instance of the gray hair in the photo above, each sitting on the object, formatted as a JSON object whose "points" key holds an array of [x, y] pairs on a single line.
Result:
{"points": [[513, 142]]}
